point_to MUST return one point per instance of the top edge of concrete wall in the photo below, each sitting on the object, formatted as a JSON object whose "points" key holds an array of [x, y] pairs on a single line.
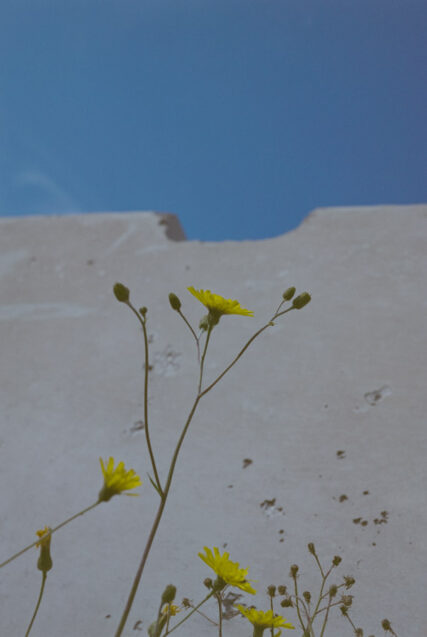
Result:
{"points": [[174, 231]]}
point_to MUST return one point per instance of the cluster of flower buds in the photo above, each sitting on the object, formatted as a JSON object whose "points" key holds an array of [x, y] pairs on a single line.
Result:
{"points": [[299, 301]]}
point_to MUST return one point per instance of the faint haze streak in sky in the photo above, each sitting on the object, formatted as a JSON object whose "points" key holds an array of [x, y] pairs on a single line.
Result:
{"points": [[48, 195]]}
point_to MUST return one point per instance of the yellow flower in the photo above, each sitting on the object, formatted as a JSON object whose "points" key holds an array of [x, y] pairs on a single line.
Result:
{"points": [[264, 620], [217, 305], [228, 571], [117, 480], [44, 541], [170, 609]]}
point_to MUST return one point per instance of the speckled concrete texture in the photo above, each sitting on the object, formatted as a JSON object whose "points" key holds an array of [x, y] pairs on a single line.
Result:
{"points": [[317, 434]]}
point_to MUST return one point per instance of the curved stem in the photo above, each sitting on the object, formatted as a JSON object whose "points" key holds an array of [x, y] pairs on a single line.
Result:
{"points": [[244, 348], [193, 333], [156, 523], [44, 576], [67, 521], [147, 433]]}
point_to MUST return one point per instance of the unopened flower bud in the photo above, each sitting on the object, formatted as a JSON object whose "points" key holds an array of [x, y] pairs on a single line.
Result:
{"points": [[121, 292], [386, 624], [294, 570], [307, 596], [218, 584], [282, 590], [143, 311], [311, 548], [344, 610], [271, 590], [333, 590], [174, 301], [44, 563], [208, 582], [347, 600], [285, 603], [301, 300], [348, 581], [288, 294], [169, 594], [337, 560], [358, 632], [186, 602]]}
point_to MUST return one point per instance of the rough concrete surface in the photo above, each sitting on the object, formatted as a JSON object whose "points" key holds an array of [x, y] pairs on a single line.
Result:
{"points": [[327, 403]]}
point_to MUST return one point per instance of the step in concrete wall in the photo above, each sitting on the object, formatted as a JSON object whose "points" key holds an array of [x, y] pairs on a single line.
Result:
{"points": [[317, 434]]}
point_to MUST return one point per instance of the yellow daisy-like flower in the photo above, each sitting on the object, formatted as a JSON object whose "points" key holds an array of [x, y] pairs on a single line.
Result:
{"points": [[117, 480], [217, 305], [228, 571], [263, 619], [170, 609]]}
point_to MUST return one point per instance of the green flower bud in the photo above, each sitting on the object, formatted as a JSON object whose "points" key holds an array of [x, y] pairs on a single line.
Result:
{"points": [[333, 590], [208, 582], [358, 632], [288, 294], [386, 624], [143, 311], [168, 594], [44, 563], [348, 581], [218, 584], [294, 570], [307, 596], [285, 603], [301, 300], [282, 590], [311, 548], [175, 302], [347, 600], [271, 590], [121, 292], [337, 560]]}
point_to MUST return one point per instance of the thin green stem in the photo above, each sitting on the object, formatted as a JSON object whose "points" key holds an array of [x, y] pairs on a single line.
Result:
{"points": [[218, 598], [196, 608], [202, 362], [73, 517], [297, 604], [322, 632], [44, 576], [193, 333], [146, 368], [243, 350], [272, 611], [141, 567]]}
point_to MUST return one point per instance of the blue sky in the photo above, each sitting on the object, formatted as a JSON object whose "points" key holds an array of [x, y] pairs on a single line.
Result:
{"points": [[240, 116]]}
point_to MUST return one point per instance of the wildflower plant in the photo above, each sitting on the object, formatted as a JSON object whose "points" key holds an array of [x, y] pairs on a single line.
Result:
{"points": [[118, 480]]}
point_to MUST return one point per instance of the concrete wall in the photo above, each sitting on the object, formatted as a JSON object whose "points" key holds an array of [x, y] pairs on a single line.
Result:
{"points": [[330, 402]]}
